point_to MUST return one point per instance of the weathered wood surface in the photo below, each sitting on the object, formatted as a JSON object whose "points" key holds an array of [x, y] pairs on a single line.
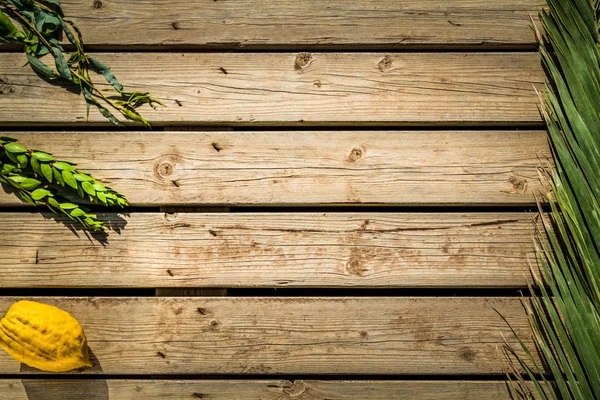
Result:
{"points": [[180, 291], [272, 250], [268, 24], [306, 168], [296, 88], [95, 389], [291, 335]]}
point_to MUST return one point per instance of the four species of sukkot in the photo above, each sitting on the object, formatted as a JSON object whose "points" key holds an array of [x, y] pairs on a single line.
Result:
{"points": [[565, 318]]}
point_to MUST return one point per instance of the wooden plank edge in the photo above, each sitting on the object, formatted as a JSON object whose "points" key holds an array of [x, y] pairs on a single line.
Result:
{"points": [[118, 389], [272, 250], [312, 336]]}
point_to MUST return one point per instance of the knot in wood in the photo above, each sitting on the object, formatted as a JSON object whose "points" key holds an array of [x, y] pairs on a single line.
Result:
{"points": [[385, 64], [97, 4], [294, 388], [165, 169], [356, 154], [354, 266], [6, 89], [519, 185], [214, 325], [467, 354], [302, 60]]}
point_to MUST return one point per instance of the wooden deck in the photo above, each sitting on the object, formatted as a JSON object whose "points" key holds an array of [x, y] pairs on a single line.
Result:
{"points": [[335, 204]]}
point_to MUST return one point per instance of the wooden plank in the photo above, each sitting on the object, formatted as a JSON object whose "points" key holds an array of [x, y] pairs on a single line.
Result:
{"points": [[297, 89], [306, 168], [116, 389], [191, 291], [386, 250], [291, 335], [268, 24]]}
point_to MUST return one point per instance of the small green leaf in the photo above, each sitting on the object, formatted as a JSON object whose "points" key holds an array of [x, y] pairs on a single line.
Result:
{"points": [[41, 68], [63, 166], [71, 37], [25, 196], [52, 202], [39, 194], [15, 148], [61, 63], [87, 94], [17, 179], [30, 183], [23, 160], [8, 31], [58, 177], [106, 72], [68, 206], [8, 169], [35, 165], [41, 156], [47, 172], [83, 177], [78, 212], [102, 197], [55, 5], [69, 179], [89, 188], [99, 187], [12, 157]]}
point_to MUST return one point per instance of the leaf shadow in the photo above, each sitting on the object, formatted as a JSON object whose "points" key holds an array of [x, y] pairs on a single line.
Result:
{"points": [[113, 221], [68, 86], [66, 389]]}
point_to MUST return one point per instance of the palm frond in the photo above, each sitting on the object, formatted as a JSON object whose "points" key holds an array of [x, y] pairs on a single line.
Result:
{"points": [[565, 317]]}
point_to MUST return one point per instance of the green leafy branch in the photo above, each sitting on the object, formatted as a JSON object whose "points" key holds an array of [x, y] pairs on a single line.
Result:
{"points": [[40, 179], [42, 23]]}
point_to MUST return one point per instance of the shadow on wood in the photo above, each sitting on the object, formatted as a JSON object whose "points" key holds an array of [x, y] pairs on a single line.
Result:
{"points": [[67, 389], [115, 224]]}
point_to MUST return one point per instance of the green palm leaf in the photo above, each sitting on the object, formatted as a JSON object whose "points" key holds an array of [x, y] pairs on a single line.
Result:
{"points": [[565, 317]]}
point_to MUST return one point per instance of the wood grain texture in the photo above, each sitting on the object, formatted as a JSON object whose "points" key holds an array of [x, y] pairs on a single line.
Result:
{"points": [[296, 89], [116, 389], [190, 291], [306, 168], [267, 24], [181, 250], [291, 335]]}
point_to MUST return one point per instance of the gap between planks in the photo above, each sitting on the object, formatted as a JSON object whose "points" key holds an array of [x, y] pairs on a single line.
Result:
{"points": [[325, 24], [164, 292], [305, 389]]}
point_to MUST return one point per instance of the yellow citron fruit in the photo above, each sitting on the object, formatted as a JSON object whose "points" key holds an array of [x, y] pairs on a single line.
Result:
{"points": [[44, 337]]}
